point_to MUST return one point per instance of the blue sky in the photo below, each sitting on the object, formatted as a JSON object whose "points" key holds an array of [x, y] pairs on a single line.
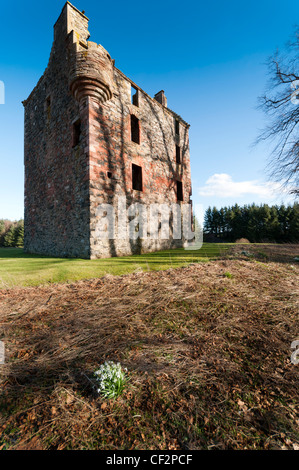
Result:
{"points": [[209, 57]]}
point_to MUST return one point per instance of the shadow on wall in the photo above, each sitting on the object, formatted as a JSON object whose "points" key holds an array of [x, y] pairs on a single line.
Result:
{"points": [[136, 246]]}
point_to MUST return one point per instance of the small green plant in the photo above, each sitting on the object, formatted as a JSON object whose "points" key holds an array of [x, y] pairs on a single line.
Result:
{"points": [[228, 275], [110, 378], [247, 253], [263, 255]]}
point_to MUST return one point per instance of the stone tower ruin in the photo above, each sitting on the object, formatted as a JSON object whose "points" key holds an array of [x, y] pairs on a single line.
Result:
{"points": [[94, 137]]}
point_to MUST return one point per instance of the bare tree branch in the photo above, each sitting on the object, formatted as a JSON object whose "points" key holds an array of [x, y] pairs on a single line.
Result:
{"points": [[281, 105]]}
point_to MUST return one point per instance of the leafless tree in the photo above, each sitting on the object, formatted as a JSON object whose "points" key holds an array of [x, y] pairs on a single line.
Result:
{"points": [[281, 104]]}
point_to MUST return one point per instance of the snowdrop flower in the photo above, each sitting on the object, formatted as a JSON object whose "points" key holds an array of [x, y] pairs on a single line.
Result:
{"points": [[110, 379]]}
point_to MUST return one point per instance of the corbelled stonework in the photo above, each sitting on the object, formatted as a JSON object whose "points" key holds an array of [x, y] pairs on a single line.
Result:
{"points": [[80, 148], [91, 72]]}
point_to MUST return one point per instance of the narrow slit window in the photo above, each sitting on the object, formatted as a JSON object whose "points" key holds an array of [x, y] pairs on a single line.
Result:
{"points": [[137, 177], [134, 96], [76, 132], [179, 190], [135, 132], [48, 108], [178, 153], [177, 128]]}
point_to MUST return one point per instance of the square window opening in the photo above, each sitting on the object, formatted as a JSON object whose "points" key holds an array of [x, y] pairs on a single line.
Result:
{"points": [[135, 131], [134, 96], [137, 177], [178, 154], [179, 190]]}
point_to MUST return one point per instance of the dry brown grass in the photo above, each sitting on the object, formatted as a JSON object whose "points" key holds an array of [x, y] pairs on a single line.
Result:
{"points": [[242, 240], [207, 348], [284, 253]]}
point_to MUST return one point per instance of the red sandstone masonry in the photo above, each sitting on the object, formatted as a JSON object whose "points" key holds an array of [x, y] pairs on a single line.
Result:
{"points": [[65, 184]]}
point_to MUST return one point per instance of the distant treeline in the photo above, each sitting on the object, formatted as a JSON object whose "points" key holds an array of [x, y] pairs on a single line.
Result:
{"points": [[11, 233], [256, 223]]}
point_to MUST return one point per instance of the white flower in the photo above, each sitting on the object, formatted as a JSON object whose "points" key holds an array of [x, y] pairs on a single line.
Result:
{"points": [[110, 379]]}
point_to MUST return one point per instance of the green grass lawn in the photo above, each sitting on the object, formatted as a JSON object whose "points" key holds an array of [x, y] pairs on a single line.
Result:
{"points": [[20, 269]]}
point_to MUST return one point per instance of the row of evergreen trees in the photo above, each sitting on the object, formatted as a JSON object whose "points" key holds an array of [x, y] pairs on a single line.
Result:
{"points": [[256, 223], [11, 233]]}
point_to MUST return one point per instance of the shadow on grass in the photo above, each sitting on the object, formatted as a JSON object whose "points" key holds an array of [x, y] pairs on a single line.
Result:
{"points": [[266, 252], [19, 253], [23, 269], [206, 250]]}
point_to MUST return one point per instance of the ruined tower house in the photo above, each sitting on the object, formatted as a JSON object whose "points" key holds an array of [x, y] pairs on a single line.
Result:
{"points": [[92, 136]]}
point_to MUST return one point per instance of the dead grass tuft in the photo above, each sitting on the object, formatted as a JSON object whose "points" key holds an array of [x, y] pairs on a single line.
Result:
{"points": [[208, 358]]}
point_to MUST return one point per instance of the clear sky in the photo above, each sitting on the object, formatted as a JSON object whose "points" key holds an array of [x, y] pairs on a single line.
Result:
{"points": [[209, 57]]}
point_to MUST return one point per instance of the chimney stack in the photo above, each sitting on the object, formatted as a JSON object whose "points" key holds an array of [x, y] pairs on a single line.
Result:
{"points": [[161, 98]]}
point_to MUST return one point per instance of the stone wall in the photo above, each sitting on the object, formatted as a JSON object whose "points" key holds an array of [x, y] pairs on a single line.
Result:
{"points": [[67, 176], [112, 151], [56, 173]]}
